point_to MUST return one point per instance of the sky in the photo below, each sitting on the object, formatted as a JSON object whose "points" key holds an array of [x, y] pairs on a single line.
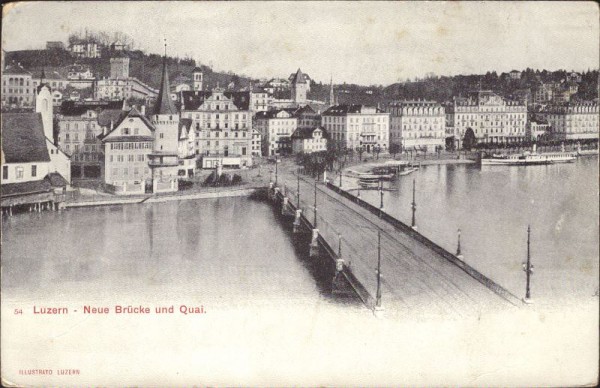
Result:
{"points": [[367, 42]]}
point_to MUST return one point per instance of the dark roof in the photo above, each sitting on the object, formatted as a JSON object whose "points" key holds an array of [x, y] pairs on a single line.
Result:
{"points": [[56, 180], [107, 115], [307, 133], [23, 139], [344, 109], [197, 70], [15, 69], [298, 77], [21, 188], [164, 104], [128, 138], [77, 108], [193, 99], [273, 112]]}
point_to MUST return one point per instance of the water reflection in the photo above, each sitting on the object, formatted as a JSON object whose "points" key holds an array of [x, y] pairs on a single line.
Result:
{"points": [[493, 205]]}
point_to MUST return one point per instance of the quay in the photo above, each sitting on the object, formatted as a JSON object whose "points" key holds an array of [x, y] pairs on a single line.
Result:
{"points": [[416, 275]]}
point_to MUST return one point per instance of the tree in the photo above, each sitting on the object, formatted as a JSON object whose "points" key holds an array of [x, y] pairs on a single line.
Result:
{"points": [[377, 150], [360, 149], [469, 141], [395, 148]]}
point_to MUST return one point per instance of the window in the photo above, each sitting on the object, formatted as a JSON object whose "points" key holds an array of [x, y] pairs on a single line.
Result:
{"points": [[34, 170], [19, 171], [4, 172]]}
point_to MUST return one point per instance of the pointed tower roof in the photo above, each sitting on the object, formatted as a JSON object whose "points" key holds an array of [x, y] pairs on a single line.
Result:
{"points": [[164, 104], [298, 77]]}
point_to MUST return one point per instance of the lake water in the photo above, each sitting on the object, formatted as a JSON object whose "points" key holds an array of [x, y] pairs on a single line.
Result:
{"points": [[230, 250], [493, 205]]}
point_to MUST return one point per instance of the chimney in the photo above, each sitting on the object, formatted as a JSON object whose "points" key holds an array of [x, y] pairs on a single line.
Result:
{"points": [[143, 110]]}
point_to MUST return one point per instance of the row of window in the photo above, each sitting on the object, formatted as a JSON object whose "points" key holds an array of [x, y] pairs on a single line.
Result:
{"points": [[131, 146], [128, 158], [19, 172]]}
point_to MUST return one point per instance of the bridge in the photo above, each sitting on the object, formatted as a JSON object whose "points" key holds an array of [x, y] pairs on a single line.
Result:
{"points": [[390, 265]]}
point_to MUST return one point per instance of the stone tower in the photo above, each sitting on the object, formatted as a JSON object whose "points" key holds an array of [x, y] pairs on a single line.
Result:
{"points": [[198, 78], [119, 66], [299, 87]]}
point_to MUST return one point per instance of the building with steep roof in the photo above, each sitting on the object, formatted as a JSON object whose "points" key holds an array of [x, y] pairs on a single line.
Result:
{"points": [[127, 149], [299, 86], [354, 126], [164, 158]]}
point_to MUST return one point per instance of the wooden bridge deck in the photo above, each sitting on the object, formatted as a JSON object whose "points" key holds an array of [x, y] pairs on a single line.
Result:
{"points": [[416, 279]]}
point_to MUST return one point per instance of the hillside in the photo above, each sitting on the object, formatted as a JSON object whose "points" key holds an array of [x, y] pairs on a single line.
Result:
{"points": [[146, 67]]}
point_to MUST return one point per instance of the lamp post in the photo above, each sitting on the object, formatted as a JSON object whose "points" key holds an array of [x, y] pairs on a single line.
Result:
{"points": [[414, 208], [340, 177], [378, 294], [458, 252], [528, 267], [298, 188], [276, 169], [381, 198], [315, 206]]}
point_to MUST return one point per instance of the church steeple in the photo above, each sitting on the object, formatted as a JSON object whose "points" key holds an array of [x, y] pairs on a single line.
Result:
{"points": [[164, 103]]}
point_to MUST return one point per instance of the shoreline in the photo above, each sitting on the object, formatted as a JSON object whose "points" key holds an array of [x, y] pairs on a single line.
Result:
{"points": [[237, 192]]}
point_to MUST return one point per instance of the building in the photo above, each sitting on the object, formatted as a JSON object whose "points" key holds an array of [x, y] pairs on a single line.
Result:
{"points": [[515, 75], [276, 128], [127, 148], [492, 118], [354, 126], [536, 129], [256, 143], [309, 140], [120, 85], [299, 87], [198, 75], [419, 125], [124, 88], [18, 90], [32, 166], [307, 117], [222, 121], [260, 99], [80, 72], [275, 85], [186, 149], [80, 126], [571, 121], [119, 66], [86, 49]]}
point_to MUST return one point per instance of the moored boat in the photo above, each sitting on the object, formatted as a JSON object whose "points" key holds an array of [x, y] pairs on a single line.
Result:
{"points": [[527, 158]]}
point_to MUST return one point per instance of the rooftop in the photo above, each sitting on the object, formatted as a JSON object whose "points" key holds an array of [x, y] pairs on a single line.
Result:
{"points": [[23, 139]]}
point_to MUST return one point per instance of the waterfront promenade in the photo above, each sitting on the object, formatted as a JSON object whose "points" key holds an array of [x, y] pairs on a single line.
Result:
{"points": [[416, 278]]}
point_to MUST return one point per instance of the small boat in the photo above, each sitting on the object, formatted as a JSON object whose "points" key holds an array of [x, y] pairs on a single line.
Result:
{"points": [[408, 170], [373, 180]]}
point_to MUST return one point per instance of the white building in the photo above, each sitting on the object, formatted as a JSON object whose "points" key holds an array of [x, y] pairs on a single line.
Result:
{"points": [[276, 128], [417, 125], [309, 140], [354, 126], [492, 118], [572, 120]]}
